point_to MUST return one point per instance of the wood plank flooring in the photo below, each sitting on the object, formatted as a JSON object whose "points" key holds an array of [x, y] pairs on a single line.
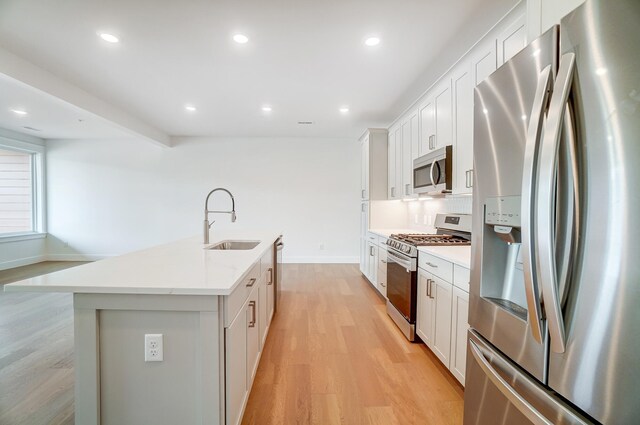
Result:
{"points": [[333, 356], [36, 351]]}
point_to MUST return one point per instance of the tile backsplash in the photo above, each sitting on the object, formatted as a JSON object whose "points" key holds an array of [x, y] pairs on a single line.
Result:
{"points": [[422, 214]]}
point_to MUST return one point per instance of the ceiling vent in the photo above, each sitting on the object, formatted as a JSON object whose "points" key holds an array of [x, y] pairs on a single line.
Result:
{"points": [[305, 122], [31, 128]]}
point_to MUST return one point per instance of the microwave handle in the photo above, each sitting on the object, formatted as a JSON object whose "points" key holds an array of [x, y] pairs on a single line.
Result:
{"points": [[433, 166]]}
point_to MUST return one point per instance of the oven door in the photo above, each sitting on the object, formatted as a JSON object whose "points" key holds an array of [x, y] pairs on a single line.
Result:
{"points": [[402, 284]]}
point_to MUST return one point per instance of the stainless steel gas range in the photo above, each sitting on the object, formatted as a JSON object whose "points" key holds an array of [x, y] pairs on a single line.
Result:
{"points": [[402, 266]]}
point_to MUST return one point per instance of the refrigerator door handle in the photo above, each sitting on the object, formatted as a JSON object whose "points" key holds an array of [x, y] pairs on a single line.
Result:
{"points": [[529, 253], [544, 221], [507, 390]]}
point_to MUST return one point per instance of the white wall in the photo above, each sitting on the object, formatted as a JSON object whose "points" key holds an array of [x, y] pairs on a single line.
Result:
{"points": [[111, 197]]}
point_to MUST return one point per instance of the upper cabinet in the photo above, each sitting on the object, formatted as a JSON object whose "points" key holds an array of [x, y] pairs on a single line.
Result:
{"points": [[394, 184], [463, 127], [436, 124], [373, 156], [410, 151], [484, 61], [512, 40]]}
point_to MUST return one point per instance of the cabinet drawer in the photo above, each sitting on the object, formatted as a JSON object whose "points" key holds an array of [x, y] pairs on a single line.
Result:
{"points": [[372, 237], [437, 266], [461, 277], [266, 262], [233, 303], [382, 259]]}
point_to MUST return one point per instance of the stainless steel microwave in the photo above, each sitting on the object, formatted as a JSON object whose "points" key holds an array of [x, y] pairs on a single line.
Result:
{"points": [[433, 172]]}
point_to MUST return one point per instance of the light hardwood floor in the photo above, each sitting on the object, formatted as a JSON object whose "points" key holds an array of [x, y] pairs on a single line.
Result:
{"points": [[36, 352], [332, 356]]}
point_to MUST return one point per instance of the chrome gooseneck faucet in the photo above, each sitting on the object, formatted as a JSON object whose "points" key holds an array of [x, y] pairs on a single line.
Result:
{"points": [[207, 225]]}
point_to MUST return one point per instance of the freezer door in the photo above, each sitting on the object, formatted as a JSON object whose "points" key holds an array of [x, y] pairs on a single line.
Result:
{"points": [[595, 320], [504, 303], [499, 393]]}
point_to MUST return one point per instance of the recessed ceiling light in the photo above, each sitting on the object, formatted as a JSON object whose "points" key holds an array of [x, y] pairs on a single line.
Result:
{"points": [[110, 38], [190, 108], [240, 38], [372, 41], [19, 112], [344, 109], [266, 108]]}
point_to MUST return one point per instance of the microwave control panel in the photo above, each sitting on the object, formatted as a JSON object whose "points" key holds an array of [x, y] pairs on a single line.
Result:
{"points": [[503, 211]]}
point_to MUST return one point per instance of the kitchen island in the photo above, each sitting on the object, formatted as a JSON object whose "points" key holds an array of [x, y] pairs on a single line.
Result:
{"points": [[210, 308]]}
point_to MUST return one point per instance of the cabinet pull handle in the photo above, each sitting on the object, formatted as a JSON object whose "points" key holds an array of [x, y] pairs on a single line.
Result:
{"points": [[471, 177], [435, 266], [251, 282], [384, 261], [382, 284], [393, 192], [466, 178], [252, 323], [431, 289], [371, 251], [270, 276], [406, 189], [362, 193], [427, 288]]}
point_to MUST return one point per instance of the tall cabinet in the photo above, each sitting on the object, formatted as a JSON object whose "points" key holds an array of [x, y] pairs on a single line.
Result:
{"points": [[373, 182]]}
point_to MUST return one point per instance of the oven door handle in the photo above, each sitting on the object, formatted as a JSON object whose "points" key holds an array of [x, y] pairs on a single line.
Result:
{"points": [[406, 263]]}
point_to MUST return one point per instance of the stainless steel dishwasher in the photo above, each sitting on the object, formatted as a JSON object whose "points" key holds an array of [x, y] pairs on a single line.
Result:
{"points": [[277, 252]]}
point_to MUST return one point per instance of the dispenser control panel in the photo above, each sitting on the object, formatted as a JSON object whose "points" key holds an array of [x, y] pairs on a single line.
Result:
{"points": [[503, 211]]}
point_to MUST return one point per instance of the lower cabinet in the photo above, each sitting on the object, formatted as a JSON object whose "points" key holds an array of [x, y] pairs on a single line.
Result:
{"points": [[442, 317], [382, 271], [245, 337], [459, 328]]}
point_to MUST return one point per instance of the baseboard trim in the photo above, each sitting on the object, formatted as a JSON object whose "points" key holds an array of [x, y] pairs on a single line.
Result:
{"points": [[22, 262]]}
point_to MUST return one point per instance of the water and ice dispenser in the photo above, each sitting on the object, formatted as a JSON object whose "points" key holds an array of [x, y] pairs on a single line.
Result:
{"points": [[502, 270]]}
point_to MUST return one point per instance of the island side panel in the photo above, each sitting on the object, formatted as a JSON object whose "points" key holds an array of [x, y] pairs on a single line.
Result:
{"points": [[87, 367], [183, 388]]}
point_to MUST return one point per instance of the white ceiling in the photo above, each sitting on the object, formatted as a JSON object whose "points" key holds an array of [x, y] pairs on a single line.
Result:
{"points": [[305, 58], [49, 117]]}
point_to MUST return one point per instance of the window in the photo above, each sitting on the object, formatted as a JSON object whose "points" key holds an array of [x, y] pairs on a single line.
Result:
{"points": [[21, 189], [16, 192]]}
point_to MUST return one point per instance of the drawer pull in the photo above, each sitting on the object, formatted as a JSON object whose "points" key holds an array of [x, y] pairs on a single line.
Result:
{"points": [[270, 276], [252, 281], [435, 266]]}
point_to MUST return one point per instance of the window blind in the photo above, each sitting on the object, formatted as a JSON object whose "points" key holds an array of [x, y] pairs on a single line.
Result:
{"points": [[16, 192]]}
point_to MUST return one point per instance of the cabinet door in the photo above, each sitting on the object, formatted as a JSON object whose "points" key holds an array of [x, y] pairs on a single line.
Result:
{"points": [[372, 264], [459, 328], [236, 367], [441, 292], [463, 128], [483, 62], [382, 271], [410, 148], [443, 119], [427, 126], [424, 309], [391, 174], [270, 295], [512, 40], [364, 179], [253, 335], [399, 190], [364, 219], [262, 311]]}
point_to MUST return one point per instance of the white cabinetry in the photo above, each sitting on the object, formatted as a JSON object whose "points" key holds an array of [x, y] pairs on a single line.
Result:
{"points": [[463, 128], [459, 328], [373, 156], [483, 61], [372, 266], [410, 151], [442, 311], [246, 333], [382, 270], [436, 124], [394, 184], [512, 40]]}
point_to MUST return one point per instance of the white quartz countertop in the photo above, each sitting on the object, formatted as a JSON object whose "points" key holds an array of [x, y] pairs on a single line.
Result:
{"points": [[460, 255], [182, 268]]}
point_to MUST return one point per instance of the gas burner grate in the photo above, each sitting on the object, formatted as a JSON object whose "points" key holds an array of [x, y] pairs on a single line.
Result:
{"points": [[430, 240]]}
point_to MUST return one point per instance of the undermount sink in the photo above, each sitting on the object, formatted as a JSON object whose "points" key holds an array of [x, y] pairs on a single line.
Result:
{"points": [[234, 245]]}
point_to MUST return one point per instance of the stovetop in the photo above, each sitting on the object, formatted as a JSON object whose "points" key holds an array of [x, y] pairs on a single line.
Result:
{"points": [[430, 240]]}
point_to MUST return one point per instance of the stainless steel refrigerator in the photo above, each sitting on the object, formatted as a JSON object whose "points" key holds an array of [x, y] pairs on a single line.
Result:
{"points": [[555, 285]]}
